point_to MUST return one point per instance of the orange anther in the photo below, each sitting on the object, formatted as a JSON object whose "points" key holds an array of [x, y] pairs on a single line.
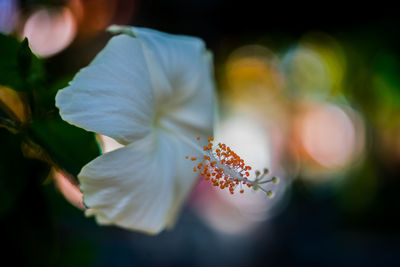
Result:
{"points": [[226, 159], [186, 157]]}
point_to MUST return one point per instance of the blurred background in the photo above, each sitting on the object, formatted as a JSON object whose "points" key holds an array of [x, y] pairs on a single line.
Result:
{"points": [[310, 92]]}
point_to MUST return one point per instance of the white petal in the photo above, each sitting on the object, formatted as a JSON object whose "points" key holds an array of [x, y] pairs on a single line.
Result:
{"points": [[113, 95], [132, 187], [184, 89], [185, 177], [184, 180], [182, 75]]}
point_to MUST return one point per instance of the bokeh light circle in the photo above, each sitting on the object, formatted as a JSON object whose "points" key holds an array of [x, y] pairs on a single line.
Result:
{"points": [[252, 76], [240, 213], [49, 31], [314, 68], [329, 137]]}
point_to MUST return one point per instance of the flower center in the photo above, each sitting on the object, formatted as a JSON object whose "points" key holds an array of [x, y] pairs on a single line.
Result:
{"points": [[221, 166]]}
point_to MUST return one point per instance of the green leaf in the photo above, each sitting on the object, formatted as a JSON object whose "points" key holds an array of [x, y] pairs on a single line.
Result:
{"points": [[24, 215], [16, 171], [69, 147], [20, 69], [24, 57], [44, 104], [9, 73]]}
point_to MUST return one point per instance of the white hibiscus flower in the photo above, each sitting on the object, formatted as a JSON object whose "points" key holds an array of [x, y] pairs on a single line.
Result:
{"points": [[151, 92]]}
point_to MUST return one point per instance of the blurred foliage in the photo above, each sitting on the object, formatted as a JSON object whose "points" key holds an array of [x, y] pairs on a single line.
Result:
{"points": [[64, 142], [53, 140], [16, 171], [19, 68], [33, 139], [21, 197]]}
